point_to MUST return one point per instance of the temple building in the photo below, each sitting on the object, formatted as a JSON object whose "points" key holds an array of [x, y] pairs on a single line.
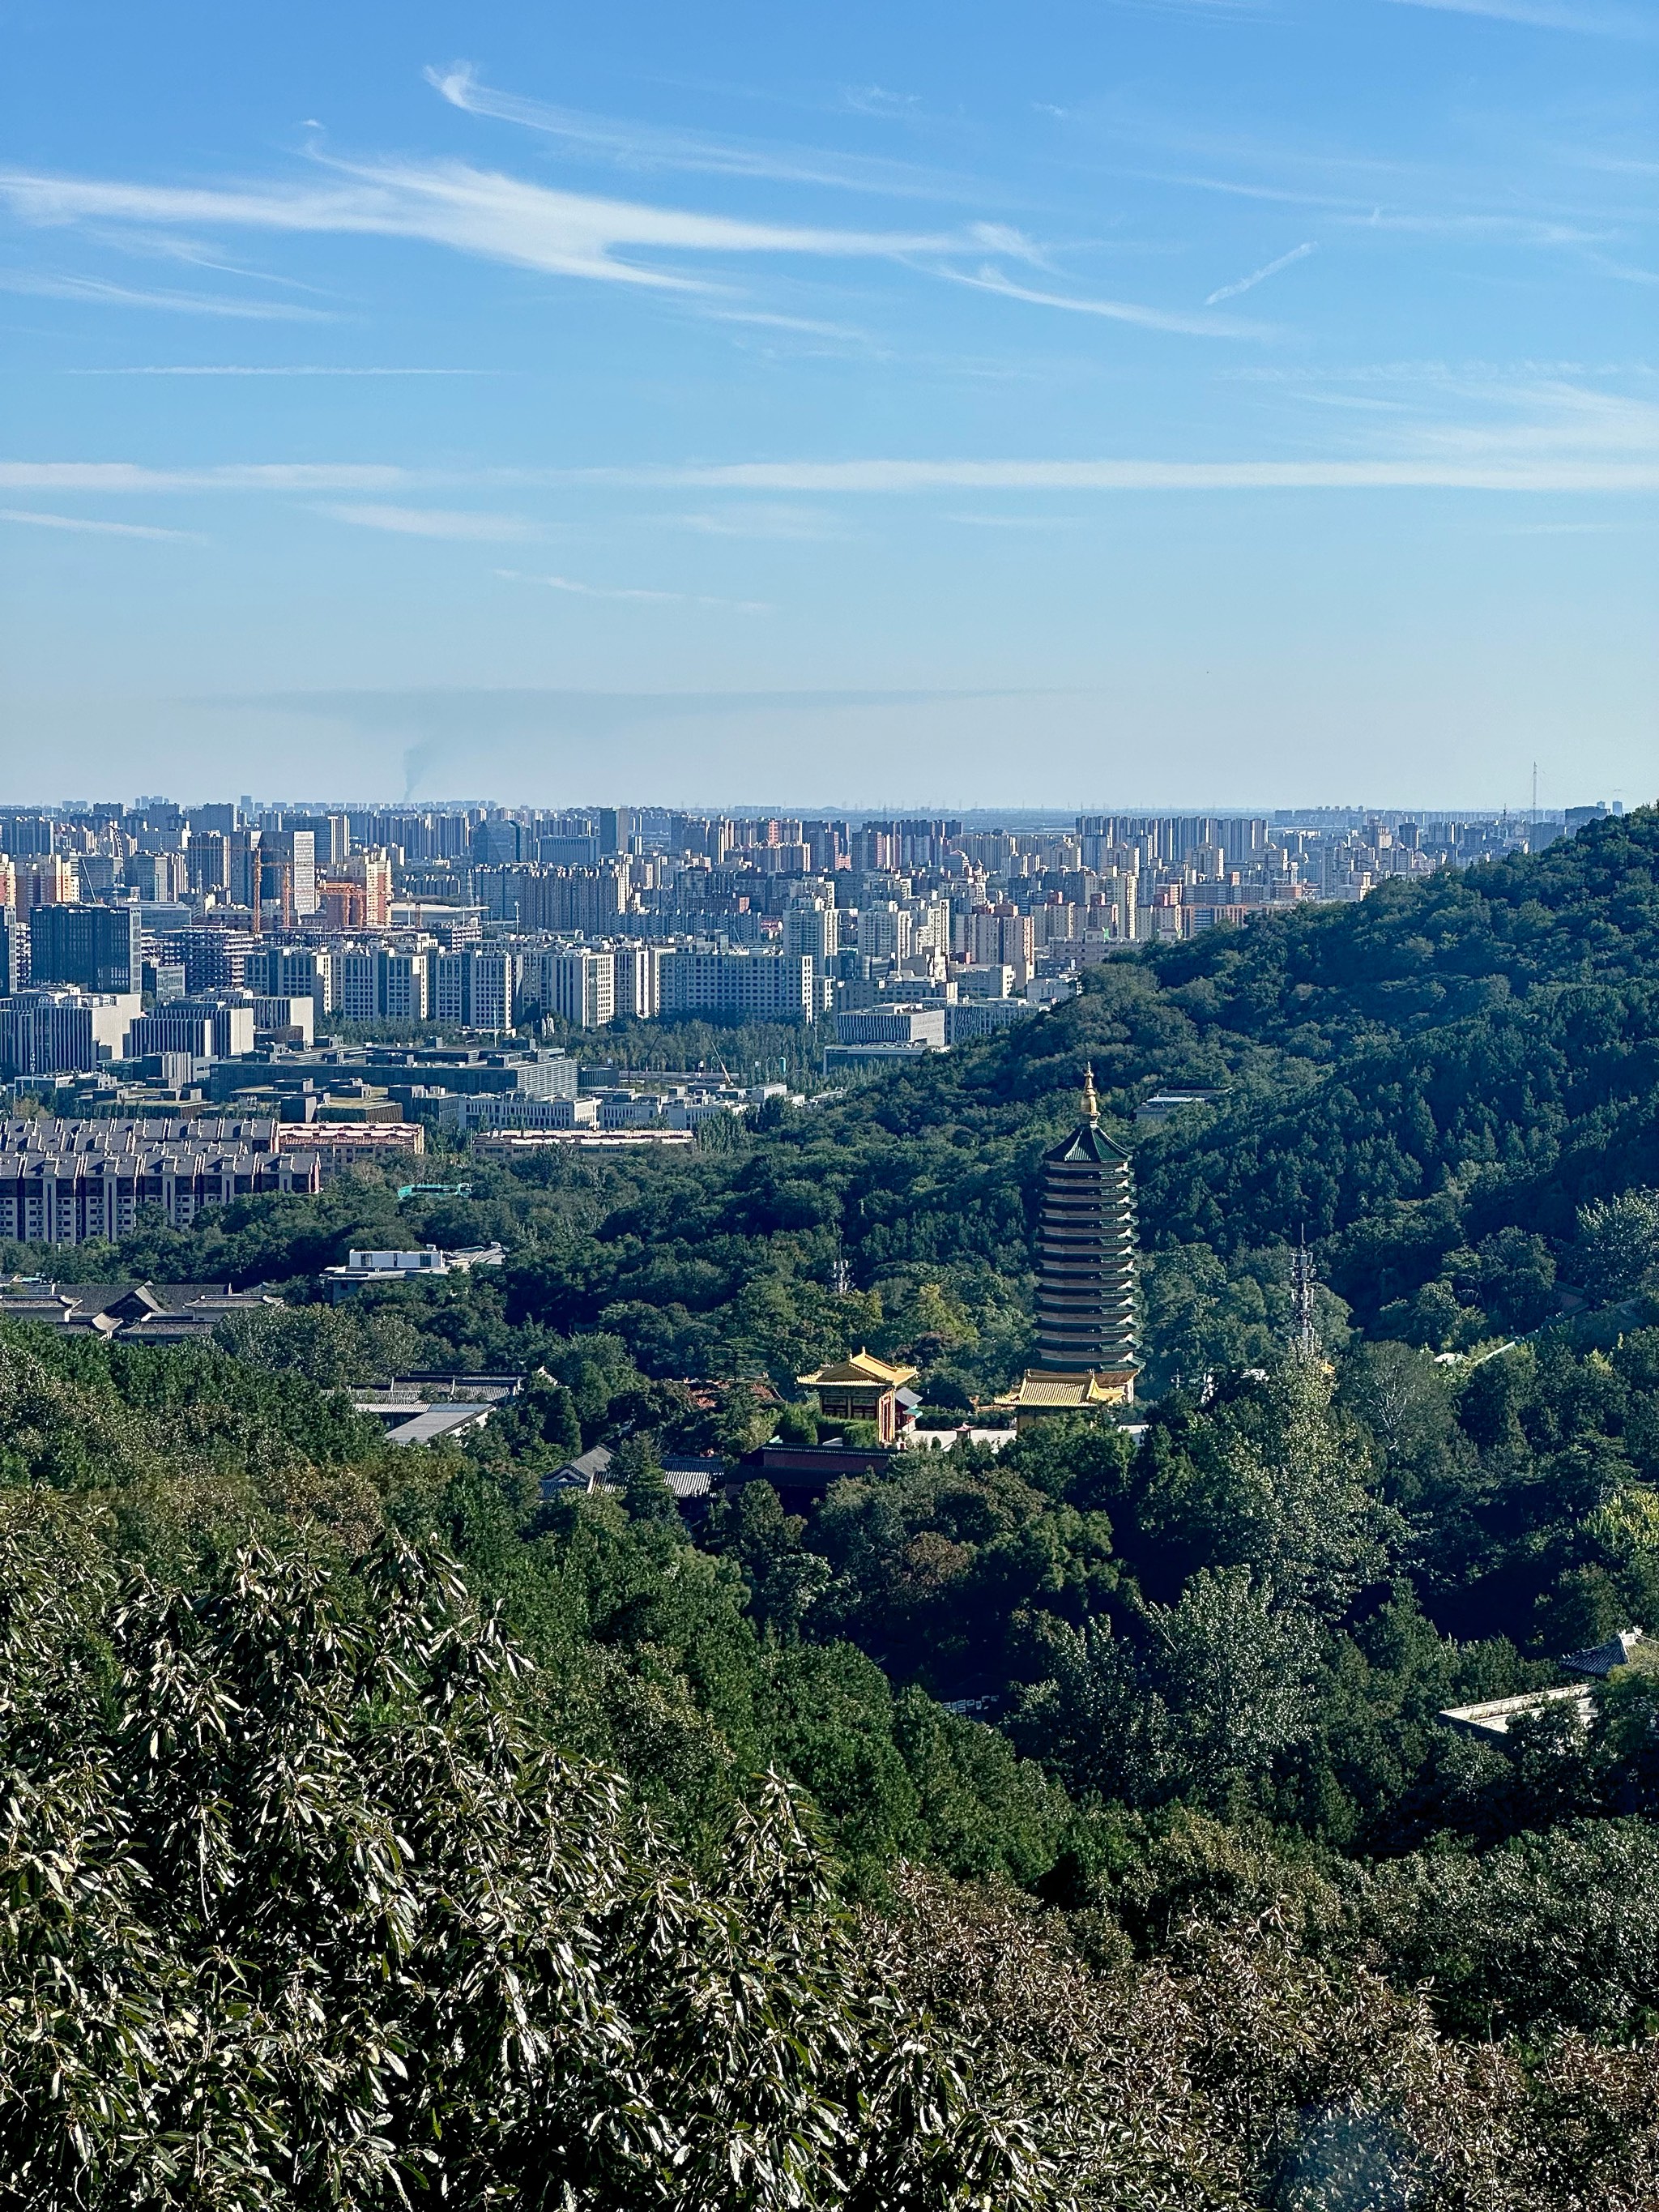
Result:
{"points": [[862, 1389], [1088, 1351]]}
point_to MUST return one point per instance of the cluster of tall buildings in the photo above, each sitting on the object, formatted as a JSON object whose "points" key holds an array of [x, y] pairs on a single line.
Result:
{"points": [[160, 931]]}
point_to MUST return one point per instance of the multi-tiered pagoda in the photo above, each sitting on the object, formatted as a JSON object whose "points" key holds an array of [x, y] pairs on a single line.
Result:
{"points": [[1088, 1352]]}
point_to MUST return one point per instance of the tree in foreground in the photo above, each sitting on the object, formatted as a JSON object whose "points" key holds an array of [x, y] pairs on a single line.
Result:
{"points": [[297, 1913]]}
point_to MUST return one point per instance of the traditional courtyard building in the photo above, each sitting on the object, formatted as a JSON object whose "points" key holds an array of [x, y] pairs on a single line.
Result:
{"points": [[861, 1388]]}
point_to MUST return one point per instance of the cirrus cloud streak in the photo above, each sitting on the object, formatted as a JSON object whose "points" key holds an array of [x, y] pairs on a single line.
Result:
{"points": [[432, 522], [1108, 476], [634, 591], [475, 211], [94, 526]]}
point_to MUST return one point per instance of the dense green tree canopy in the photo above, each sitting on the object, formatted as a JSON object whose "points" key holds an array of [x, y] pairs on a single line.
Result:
{"points": [[1069, 1824]]}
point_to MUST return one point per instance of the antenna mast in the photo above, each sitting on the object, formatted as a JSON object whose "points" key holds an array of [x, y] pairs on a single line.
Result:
{"points": [[1304, 1328]]}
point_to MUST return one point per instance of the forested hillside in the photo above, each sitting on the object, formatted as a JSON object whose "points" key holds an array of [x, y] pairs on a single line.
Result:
{"points": [[1066, 1827]]}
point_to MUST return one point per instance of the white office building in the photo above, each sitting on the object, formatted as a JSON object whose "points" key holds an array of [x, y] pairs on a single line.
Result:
{"points": [[763, 986], [579, 986], [637, 971], [475, 989], [293, 971]]}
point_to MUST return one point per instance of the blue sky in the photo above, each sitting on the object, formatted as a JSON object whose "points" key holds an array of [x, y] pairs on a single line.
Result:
{"points": [[858, 405]]}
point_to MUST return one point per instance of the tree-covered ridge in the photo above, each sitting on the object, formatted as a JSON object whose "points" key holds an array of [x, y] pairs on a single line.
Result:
{"points": [[1585, 910], [1483, 1049]]}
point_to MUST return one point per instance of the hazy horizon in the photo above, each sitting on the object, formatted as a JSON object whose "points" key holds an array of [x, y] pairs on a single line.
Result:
{"points": [[832, 809]]}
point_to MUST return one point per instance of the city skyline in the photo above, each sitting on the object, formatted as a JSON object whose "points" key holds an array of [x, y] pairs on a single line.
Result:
{"points": [[854, 811], [1223, 398]]}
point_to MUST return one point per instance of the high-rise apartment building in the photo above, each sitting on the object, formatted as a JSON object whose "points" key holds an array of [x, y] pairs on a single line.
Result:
{"points": [[372, 872], [213, 959], [161, 879], [356, 979], [930, 926], [884, 931], [14, 954], [207, 860], [330, 837], [1001, 936], [812, 929], [378, 983], [493, 983], [24, 835], [288, 871], [47, 879]]}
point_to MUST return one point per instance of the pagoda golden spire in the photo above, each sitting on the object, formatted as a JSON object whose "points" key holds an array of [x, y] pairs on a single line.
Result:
{"points": [[1090, 1104]]}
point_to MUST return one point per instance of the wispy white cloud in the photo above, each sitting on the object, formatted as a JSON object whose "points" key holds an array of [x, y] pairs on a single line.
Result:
{"points": [[1475, 428], [219, 369], [1017, 521], [617, 592], [1624, 271], [1519, 378], [1505, 469], [876, 100], [1418, 473], [1246, 188], [1500, 227], [192, 253], [80, 522], [644, 146], [1553, 418], [1259, 276], [231, 475], [1503, 229], [1540, 199], [990, 279], [97, 293], [473, 211], [760, 520], [1550, 15], [431, 522], [800, 326], [1565, 529], [500, 218], [1353, 403]]}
